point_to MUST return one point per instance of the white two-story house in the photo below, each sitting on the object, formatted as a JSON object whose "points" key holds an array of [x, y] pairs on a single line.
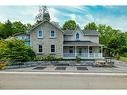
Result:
{"points": [[46, 38]]}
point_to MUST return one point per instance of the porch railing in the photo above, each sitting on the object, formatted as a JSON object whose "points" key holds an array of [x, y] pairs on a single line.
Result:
{"points": [[83, 55]]}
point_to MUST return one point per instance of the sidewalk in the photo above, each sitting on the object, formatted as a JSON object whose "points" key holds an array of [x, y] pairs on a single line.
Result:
{"points": [[120, 67]]}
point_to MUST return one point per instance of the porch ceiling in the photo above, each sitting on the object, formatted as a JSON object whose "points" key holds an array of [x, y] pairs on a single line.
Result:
{"points": [[80, 43]]}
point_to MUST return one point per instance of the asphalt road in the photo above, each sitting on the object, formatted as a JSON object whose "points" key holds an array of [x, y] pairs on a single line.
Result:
{"points": [[61, 81]]}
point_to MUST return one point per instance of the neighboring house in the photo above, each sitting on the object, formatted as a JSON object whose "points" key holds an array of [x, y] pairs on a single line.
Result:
{"points": [[48, 39], [24, 37]]}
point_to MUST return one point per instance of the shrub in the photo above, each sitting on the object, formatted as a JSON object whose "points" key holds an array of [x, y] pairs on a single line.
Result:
{"points": [[15, 50], [2, 64], [78, 59], [124, 55], [48, 58]]}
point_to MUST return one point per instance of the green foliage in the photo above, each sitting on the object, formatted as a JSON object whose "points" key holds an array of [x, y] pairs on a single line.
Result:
{"points": [[69, 25], [47, 58], [8, 28], [2, 64], [90, 26], [77, 59], [113, 39], [18, 27], [15, 50]]}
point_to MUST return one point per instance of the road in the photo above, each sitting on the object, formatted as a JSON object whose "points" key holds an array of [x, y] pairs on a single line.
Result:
{"points": [[61, 81]]}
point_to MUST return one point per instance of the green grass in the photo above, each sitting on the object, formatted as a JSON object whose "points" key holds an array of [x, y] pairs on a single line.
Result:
{"points": [[124, 59]]}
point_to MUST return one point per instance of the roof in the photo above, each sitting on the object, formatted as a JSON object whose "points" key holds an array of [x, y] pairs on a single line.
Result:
{"points": [[48, 22], [90, 32], [80, 43], [21, 34], [68, 32], [85, 32]]}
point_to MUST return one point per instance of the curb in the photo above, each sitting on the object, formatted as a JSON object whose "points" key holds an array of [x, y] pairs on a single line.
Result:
{"points": [[68, 73]]}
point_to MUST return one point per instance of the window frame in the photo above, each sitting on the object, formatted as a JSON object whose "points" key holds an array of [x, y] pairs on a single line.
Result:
{"points": [[54, 48], [51, 34], [78, 36], [39, 48], [38, 35]]}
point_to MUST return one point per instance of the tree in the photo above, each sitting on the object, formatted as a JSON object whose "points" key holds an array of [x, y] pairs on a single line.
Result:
{"points": [[70, 25], [1, 30], [90, 26], [15, 50], [18, 27], [7, 29]]}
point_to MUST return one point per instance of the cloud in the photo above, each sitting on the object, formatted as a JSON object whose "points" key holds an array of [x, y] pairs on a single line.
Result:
{"points": [[114, 16]]}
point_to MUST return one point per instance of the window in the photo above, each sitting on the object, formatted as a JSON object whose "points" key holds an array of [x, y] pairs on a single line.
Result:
{"points": [[71, 50], [90, 50], [52, 48], [77, 36], [40, 48], [40, 34], [52, 34]]}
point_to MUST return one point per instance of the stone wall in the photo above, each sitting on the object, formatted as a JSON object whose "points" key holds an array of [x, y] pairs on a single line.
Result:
{"points": [[46, 41], [37, 63]]}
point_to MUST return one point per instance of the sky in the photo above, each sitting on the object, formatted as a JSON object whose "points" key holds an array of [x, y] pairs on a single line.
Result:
{"points": [[115, 16]]}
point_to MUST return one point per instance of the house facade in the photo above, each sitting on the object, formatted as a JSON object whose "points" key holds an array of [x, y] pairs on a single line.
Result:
{"points": [[46, 38]]}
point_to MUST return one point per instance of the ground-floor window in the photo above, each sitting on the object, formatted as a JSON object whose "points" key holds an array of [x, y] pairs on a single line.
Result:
{"points": [[52, 48], [40, 48], [70, 49], [90, 50]]}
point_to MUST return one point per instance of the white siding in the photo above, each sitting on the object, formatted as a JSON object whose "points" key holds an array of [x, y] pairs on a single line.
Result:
{"points": [[94, 39]]}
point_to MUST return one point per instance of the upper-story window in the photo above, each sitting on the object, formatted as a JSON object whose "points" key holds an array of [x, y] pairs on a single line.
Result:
{"points": [[40, 34], [52, 34], [77, 36]]}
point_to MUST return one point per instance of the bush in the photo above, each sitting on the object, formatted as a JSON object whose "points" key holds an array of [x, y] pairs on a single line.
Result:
{"points": [[124, 55], [78, 59], [48, 58], [15, 50], [2, 64]]}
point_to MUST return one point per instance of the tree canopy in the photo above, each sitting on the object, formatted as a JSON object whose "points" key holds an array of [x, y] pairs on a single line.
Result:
{"points": [[69, 25], [114, 40], [90, 26], [16, 50], [10, 28]]}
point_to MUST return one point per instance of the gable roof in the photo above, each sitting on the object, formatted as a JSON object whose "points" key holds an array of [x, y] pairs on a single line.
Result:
{"points": [[70, 32], [85, 32], [44, 22]]}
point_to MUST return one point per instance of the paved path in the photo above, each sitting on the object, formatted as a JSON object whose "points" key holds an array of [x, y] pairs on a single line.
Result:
{"points": [[39, 80]]}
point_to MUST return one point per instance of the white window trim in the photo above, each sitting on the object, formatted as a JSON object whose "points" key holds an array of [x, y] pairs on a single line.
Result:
{"points": [[40, 36], [76, 36], [38, 49], [54, 35], [50, 49]]}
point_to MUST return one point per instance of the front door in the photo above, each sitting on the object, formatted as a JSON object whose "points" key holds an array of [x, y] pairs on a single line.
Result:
{"points": [[79, 51]]}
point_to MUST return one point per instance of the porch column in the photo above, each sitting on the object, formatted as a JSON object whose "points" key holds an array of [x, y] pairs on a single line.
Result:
{"points": [[101, 51], [75, 51], [88, 52]]}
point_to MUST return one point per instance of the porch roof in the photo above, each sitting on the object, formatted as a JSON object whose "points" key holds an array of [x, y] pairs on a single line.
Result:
{"points": [[80, 43]]}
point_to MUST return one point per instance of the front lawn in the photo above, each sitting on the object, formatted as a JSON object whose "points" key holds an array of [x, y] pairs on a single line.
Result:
{"points": [[124, 59]]}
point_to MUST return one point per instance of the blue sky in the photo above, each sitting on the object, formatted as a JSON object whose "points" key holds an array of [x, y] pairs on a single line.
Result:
{"points": [[115, 16]]}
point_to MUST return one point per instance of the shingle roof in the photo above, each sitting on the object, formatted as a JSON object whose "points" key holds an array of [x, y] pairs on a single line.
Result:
{"points": [[85, 32], [80, 43], [68, 32], [90, 32]]}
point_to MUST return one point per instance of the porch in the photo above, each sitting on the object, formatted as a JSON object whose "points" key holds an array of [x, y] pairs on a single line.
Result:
{"points": [[83, 51]]}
